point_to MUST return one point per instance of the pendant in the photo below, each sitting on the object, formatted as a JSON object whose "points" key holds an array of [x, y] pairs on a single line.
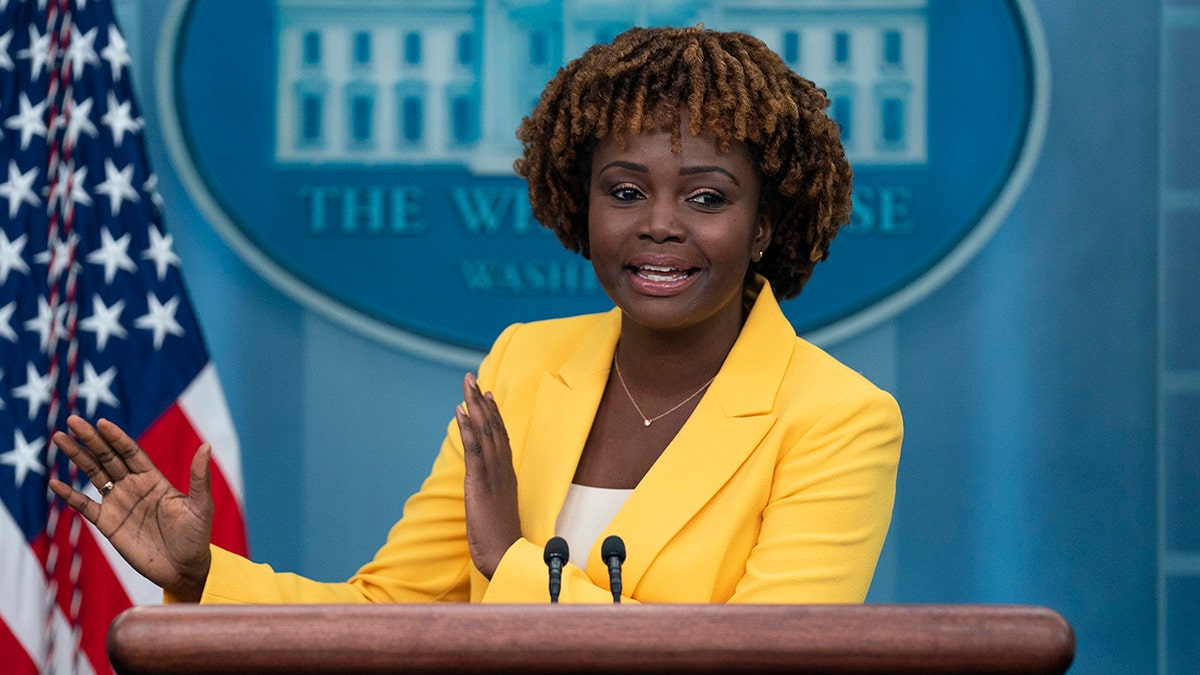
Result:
{"points": [[647, 422]]}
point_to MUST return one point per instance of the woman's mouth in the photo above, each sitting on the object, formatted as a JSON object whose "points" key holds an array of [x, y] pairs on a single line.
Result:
{"points": [[661, 280], [661, 274]]}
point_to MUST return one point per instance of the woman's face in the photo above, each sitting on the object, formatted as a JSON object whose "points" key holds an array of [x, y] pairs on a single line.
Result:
{"points": [[671, 235]]}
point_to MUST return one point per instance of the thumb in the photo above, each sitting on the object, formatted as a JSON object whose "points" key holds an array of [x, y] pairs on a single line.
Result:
{"points": [[201, 480]]}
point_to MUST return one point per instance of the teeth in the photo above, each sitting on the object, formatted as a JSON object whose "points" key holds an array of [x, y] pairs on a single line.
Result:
{"points": [[660, 273]]}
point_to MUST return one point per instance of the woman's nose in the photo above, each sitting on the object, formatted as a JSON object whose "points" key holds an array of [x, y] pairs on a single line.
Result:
{"points": [[663, 222]]}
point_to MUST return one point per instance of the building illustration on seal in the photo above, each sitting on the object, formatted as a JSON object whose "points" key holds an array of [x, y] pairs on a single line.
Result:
{"points": [[446, 82]]}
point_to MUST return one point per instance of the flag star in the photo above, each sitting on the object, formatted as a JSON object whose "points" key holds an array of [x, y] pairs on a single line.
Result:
{"points": [[120, 119], [48, 322], [30, 120], [6, 329], [105, 321], [79, 120], [160, 319], [78, 192], [71, 185], [38, 51], [36, 390], [5, 60], [113, 254], [19, 187], [59, 258], [160, 252], [81, 51], [97, 388], [115, 52], [24, 457], [2, 406], [151, 187], [67, 188], [11, 257], [118, 185]]}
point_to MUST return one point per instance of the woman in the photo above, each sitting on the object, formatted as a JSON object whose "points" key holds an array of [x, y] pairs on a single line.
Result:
{"points": [[738, 462]]}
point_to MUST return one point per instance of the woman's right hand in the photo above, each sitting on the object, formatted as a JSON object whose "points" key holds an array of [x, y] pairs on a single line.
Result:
{"points": [[161, 532]]}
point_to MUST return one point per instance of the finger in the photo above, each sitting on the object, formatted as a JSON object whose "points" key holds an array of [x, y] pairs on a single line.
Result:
{"points": [[478, 408], [501, 452], [468, 416], [201, 484], [497, 418], [492, 423], [468, 389], [131, 455], [82, 458], [466, 429], [76, 500], [105, 456]]}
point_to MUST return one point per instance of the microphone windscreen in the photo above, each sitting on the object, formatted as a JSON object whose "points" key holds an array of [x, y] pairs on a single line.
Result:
{"points": [[613, 546], [556, 548]]}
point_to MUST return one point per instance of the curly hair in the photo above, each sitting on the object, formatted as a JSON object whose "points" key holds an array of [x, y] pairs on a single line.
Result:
{"points": [[733, 87]]}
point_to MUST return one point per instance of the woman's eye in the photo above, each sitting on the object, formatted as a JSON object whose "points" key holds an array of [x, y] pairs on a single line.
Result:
{"points": [[708, 199], [625, 193]]}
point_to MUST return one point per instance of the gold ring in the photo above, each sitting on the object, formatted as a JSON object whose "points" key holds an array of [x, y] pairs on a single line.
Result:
{"points": [[106, 488]]}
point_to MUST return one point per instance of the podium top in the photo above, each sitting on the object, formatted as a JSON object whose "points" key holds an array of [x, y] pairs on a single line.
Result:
{"points": [[582, 638]]}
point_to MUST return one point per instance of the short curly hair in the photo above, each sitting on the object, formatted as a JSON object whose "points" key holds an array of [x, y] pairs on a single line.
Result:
{"points": [[732, 86]]}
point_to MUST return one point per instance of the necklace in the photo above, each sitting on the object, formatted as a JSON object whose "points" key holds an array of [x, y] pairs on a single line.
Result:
{"points": [[647, 421]]}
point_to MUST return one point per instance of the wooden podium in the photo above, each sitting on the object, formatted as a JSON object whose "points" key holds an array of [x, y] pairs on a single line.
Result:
{"points": [[454, 638]]}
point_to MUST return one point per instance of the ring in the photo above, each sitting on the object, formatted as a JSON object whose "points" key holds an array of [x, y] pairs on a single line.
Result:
{"points": [[106, 488]]}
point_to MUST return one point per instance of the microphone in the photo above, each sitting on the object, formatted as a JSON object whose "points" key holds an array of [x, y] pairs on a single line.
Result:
{"points": [[613, 553], [556, 555]]}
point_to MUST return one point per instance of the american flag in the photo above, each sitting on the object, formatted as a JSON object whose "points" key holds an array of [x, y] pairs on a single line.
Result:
{"points": [[94, 319]]}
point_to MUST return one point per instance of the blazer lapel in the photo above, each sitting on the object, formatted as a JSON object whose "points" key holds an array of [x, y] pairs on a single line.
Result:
{"points": [[728, 424], [563, 411]]}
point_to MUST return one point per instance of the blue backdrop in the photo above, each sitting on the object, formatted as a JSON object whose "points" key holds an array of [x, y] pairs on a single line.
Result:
{"points": [[1051, 387]]}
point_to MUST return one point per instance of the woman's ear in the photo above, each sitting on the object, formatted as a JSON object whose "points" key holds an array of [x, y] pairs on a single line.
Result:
{"points": [[763, 229]]}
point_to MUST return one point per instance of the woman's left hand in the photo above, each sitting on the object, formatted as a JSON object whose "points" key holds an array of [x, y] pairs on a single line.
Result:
{"points": [[490, 488]]}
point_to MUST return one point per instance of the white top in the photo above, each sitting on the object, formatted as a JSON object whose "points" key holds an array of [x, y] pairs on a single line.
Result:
{"points": [[585, 513]]}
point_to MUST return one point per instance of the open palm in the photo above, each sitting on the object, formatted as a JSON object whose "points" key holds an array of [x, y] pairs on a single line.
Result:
{"points": [[162, 532]]}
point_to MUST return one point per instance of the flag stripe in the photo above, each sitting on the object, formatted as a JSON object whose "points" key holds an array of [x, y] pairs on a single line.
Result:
{"points": [[22, 587], [203, 402], [105, 597], [16, 660], [23, 609]]}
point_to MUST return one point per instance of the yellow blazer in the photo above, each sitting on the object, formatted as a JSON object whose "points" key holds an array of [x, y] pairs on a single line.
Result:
{"points": [[779, 488]]}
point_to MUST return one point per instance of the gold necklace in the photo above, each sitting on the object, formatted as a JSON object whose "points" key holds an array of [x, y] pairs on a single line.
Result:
{"points": [[647, 421]]}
